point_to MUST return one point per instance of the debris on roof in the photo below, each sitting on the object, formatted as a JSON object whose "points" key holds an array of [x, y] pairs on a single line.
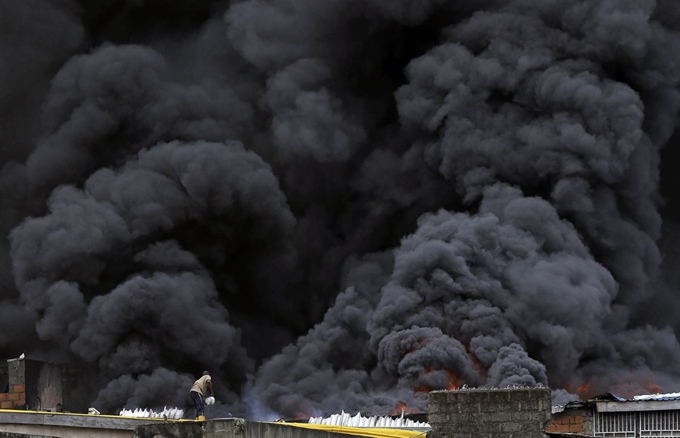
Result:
{"points": [[358, 420], [173, 413], [608, 397]]}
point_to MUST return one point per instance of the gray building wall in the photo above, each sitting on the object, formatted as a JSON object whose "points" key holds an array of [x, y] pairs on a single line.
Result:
{"points": [[232, 428], [493, 413], [21, 435], [69, 426]]}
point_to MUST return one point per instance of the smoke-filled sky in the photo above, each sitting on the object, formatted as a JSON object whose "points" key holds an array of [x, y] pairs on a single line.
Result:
{"points": [[341, 204]]}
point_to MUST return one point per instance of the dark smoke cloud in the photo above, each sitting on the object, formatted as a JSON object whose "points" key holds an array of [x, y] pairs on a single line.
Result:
{"points": [[160, 388], [37, 37], [341, 206]]}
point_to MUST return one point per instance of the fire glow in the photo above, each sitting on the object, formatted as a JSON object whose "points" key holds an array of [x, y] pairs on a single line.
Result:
{"points": [[401, 408]]}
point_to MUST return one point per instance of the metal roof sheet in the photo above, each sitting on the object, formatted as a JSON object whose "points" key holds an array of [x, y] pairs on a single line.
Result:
{"points": [[657, 397], [608, 397]]}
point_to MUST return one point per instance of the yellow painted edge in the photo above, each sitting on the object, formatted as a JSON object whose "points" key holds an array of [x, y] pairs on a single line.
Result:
{"points": [[377, 432]]}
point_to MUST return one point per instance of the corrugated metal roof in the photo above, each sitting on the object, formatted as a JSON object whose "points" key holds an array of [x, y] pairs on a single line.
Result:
{"points": [[608, 397], [657, 397]]}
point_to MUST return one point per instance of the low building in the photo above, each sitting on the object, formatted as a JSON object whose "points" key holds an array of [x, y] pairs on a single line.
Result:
{"points": [[611, 416], [40, 386]]}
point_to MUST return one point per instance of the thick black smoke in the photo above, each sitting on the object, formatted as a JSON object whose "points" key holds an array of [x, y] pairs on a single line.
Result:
{"points": [[340, 205]]}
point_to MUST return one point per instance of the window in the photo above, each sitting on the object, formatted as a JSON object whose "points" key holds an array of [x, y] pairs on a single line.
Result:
{"points": [[646, 424]]}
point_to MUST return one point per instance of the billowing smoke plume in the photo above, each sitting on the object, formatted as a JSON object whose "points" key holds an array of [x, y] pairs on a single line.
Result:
{"points": [[341, 205]]}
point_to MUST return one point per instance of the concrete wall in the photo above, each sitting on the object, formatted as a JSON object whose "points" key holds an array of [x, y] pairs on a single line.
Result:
{"points": [[169, 430], [42, 382], [17, 374], [71, 426], [493, 413], [52, 431], [4, 377], [231, 428], [48, 387], [15, 398], [21, 435]]}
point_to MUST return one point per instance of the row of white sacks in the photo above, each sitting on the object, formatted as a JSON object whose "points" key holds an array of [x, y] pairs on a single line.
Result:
{"points": [[172, 413], [358, 420]]}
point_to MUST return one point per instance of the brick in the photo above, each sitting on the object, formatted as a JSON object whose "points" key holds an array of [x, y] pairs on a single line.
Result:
{"points": [[530, 405], [437, 418], [6, 405], [13, 396], [557, 427], [575, 428], [18, 404], [469, 427], [540, 416], [493, 428], [18, 388], [3, 396], [520, 416], [499, 416], [511, 427]]}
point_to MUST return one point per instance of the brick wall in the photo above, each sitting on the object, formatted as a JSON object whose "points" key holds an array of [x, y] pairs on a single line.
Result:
{"points": [[494, 413], [15, 398], [578, 421]]}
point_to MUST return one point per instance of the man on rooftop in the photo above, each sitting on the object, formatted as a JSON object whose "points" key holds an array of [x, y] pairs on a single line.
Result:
{"points": [[202, 388]]}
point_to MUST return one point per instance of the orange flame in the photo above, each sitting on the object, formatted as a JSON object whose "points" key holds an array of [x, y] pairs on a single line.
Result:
{"points": [[452, 381], [303, 413], [423, 389], [629, 386], [652, 387], [401, 407], [476, 363], [637, 387], [583, 390]]}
